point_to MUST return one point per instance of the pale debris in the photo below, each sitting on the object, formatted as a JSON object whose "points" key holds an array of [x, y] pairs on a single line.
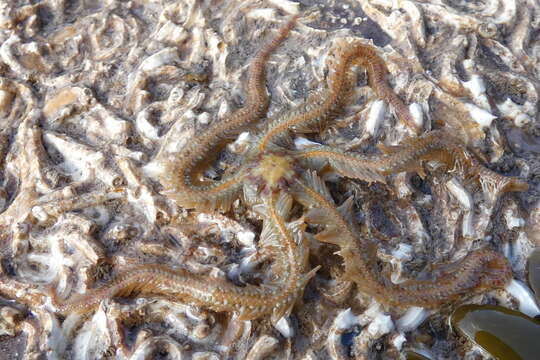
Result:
{"points": [[381, 325], [413, 317], [166, 56], [375, 117], [399, 340], [376, 324], [171, 32], [264, 346], [205, 355], [513, 221], [265, 13], [403, 253], [242, 143], [345, 321], [9, 317], [7, 55], [151, 345], [482, 117], [141, 194], [81, 162], [475, 85], [417, 114], [466, 201], [301, 143], [291, 7], [184, 323], [525, 297], [284, 327], [511, 110], [93, 340]]}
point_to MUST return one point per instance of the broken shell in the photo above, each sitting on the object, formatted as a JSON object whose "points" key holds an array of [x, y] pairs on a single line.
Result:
{"points": [[263, 347]]}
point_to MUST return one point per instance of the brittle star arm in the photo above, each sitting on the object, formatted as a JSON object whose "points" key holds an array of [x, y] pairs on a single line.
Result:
{"points": [[377, 72], [249, 301], [481, 270], [437, 145], [181, 183], [351, 165], [322, 105], [441, 146]]}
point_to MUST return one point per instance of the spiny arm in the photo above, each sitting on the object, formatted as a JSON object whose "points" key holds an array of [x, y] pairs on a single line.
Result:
{"points": [[481, 270], [181, 177], [327, 102], [376, 69], [351, 165], [319, 107], [441, 146], [249, 302]]}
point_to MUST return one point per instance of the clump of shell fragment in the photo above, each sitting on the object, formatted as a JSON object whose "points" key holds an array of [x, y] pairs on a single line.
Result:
{"points": [[96, 96]]}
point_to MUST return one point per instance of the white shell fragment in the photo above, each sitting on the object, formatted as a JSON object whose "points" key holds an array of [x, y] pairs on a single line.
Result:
{"points": [[525, 297], [481, 116], [93, 339], [466, 201], [476, 86], [515, 112], [413, 317], [303, 143], [417, 114], [375, 117], [346, 320], [381, 325], [284, 327]]}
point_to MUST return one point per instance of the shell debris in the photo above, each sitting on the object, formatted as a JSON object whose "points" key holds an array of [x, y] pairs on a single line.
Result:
{"points": [[100, 99]]}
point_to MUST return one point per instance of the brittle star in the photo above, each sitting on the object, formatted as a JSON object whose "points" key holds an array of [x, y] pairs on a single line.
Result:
{"points": [[275, 175]]}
